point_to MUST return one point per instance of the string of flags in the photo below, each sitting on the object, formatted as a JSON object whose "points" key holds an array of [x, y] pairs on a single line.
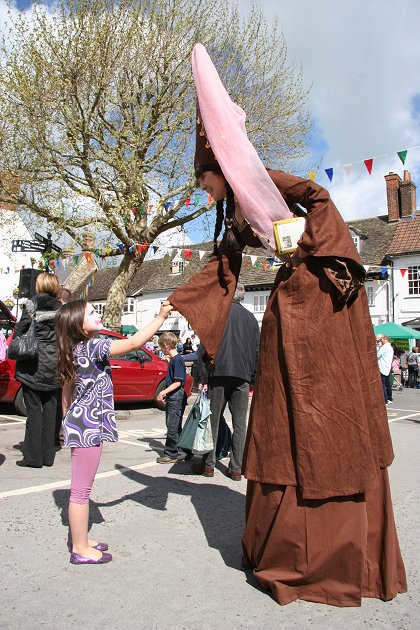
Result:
{"points": [[199, 198], [348, 168]]}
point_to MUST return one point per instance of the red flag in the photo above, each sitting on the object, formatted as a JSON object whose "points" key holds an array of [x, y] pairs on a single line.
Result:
{"points": [[210, 198], [134, 210], [403, 272], [187, 253], [369, 164], [187, 202]]}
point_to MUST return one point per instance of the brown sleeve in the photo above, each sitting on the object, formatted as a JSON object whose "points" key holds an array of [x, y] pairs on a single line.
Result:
{"points": [[206, 299], [326, 236]]}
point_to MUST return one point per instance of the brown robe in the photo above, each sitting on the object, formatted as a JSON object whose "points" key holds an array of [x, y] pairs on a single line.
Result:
{"points": [[318, 436]]}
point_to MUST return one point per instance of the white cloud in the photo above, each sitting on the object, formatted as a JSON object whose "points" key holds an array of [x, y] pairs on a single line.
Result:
{"points": [[362, 59]]}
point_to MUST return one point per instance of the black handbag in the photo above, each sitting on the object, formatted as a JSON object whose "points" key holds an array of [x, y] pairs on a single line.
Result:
{"points": [[25, 346]]}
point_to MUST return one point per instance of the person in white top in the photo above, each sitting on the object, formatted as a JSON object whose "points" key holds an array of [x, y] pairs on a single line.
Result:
{"points": [[385, 355]]}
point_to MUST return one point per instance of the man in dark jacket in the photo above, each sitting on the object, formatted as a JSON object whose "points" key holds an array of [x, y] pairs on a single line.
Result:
{"points": [[40, 386], [235, 370]]}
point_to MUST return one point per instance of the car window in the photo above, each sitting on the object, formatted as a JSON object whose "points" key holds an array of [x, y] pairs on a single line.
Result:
{"points": [[135, 355]]}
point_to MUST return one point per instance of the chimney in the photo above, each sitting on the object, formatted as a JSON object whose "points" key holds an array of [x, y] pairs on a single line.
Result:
{"points": [[393, 182], [407, 195]]}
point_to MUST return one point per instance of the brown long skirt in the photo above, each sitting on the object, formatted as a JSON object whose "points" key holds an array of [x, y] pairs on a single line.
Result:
{"points": [[332, 551]]}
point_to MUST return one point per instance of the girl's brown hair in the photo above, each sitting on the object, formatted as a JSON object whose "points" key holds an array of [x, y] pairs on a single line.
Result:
{"points": [[69, 332]]}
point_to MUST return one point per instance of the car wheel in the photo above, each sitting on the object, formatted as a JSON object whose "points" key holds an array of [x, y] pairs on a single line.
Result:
{"points": [[159, 405], [19, 403]]}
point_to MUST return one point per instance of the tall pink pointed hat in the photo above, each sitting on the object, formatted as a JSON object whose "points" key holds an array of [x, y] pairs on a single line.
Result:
{"points": [[224, 125]]}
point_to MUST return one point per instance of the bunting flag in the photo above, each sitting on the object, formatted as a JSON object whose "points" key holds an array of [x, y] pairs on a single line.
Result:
{"points": [[150, 210], [312, 176], [155, 248], [121, 247], [134, 211], [384, 271], [253, 260], [167, 205], [187, 201], [210, 198], [187, 253], [329, 172], [403, 272], [369, 164], [201, 253]]}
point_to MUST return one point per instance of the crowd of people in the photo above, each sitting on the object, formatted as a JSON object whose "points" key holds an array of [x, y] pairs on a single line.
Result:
{"points": [[398, 369]]}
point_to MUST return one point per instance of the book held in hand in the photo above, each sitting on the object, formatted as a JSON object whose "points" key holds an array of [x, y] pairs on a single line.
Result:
{"points": [[287, 233]]}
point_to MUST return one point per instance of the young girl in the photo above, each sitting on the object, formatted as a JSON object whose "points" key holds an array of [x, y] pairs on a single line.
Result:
{"points": [[88, 408]]}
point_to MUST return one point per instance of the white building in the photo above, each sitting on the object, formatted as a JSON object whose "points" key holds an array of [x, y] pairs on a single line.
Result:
{"points": [[12, 227]]}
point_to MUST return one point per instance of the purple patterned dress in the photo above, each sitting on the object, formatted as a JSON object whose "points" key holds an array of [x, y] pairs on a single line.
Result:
{"points": [[90, 419]]}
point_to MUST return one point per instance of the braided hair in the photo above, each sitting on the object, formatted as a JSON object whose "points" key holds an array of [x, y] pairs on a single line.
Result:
{"points": [[232, 243]]}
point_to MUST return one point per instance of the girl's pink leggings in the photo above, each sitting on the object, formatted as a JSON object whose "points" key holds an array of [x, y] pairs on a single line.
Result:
{"points": [[84, 464]]}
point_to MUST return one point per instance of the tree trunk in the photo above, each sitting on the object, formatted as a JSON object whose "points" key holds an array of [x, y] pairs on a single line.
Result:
{"points": [[118, 291]]}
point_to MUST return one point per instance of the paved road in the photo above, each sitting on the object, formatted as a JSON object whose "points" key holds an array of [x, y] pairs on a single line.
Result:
{"points": [[175, 539]]}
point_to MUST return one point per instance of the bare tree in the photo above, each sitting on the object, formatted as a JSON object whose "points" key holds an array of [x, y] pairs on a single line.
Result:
{"points": [[97, 113]]}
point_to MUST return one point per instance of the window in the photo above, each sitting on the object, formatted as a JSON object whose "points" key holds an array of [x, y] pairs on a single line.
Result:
{"points": [[128, 306], [371, 296], [414, 280], [356, 241], [260, 302], [99, 307], [178, 266]]}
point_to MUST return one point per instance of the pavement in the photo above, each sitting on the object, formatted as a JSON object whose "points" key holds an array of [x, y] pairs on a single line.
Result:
{"points": [[175, 537]]}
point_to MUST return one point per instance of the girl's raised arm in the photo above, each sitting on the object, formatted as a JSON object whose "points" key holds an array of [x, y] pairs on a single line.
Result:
{"points": [[123, 346]]}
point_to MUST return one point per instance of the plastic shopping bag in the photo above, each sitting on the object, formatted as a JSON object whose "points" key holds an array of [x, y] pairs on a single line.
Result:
{"points": [[187, 435], [203, 441]]}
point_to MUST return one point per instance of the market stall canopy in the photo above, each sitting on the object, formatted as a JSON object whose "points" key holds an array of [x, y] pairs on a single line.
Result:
{"points": [[128, 329], [396, 331]]}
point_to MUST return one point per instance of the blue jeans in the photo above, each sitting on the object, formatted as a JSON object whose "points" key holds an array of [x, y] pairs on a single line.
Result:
{"points": [[412, 376], [175, 406]]}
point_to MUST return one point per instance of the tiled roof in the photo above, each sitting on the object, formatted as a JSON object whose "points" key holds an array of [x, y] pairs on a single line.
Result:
{"points": [[407, 236], [377, 239], [376, 235], [103, 279]]}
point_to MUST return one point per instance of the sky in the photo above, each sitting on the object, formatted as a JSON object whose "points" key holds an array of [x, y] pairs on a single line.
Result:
{"points": [[362, 59]]}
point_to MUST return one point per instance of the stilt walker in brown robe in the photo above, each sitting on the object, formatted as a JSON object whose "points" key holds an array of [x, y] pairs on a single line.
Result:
{"points": [[319, 517]]}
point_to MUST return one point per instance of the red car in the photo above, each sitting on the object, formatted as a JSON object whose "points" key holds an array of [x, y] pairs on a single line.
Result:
{"points": [[137, 376]]}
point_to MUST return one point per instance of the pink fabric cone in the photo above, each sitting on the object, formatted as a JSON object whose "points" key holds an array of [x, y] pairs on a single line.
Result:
{"points": [[224, 122]]}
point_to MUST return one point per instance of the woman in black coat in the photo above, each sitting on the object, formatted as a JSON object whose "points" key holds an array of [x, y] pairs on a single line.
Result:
{"points": [[40, 386]]}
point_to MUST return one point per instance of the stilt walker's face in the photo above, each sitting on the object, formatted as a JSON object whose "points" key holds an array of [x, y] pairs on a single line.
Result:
{"points": [[213, 184]]}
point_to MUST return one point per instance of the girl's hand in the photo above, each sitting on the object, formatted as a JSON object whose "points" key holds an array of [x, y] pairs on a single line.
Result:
{"points": [[165, 309]]}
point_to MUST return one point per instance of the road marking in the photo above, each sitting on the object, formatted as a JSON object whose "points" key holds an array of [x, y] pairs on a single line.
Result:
{"points": [[13, 420], [410, 415], [66, 482]]}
